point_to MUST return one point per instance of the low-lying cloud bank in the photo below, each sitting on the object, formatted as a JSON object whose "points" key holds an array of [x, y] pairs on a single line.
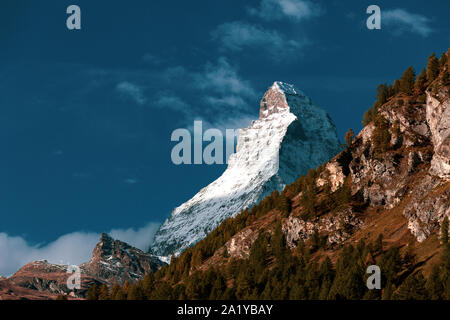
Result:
{"points": [[73, 248]]}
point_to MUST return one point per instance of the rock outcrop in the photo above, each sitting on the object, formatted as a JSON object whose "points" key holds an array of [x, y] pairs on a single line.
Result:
{"points": [[116, 261], [438, 119], [413, 174], [297, 229]]}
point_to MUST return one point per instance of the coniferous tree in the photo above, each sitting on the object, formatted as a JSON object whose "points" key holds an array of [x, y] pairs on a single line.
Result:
{"points": [[378, 248], [284, 204], [388, 291], [448, 59], [407, 81], [326, 276], [420, 85], [135, 292], [432, 68], [103, 293], [258, 253], [349, 281], [218, 288], [409, 258], [367, 117], [382, 93], [116, 292], [308, 199], [396, 87], [343, 195], [278, 244], [434, 285], [443, 60], [93, 292], [315, 241], [391, 92], [179, 292], [148, 284], [163, 291], [413, 288], [444, 231], [446, 78], [349, 137], [391, 264], [229, 294], [244, 284], [445, 277], [381, 135]]}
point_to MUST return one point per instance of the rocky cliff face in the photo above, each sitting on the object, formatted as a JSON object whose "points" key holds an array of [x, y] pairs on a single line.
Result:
{"points": [[438, 120], [412, 176], [291, 136], [116, 261], [112, 261]]}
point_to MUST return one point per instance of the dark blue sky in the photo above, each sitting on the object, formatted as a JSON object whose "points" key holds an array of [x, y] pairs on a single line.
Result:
{"points": [[86, 116]]}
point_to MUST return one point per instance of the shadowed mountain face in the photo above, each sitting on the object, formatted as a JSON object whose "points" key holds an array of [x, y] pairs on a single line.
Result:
{"points": [[291, 136]]}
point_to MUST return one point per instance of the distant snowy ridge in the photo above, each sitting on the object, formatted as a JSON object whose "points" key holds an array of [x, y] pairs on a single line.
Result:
{"points": [[291, 136]]}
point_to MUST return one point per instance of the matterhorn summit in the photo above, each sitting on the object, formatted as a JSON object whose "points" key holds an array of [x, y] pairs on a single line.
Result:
{"points": [[291, 136]]}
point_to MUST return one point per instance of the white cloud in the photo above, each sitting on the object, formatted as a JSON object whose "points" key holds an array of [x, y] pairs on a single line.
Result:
{"points": [[223, 78], [72, 248], [295, 10], [403, 21], [227, 95], [139, 238], [131, 90], [237, 35]]}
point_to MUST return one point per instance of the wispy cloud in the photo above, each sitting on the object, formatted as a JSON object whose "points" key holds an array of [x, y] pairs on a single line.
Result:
{"points": [[151, 59], [221, 95], [72, 248], [132, 91], [237, 35], [131, 181], [215, 92], [173, 102], [223, 78], [402, 21], [139, 238], [233, 101], [295, 10]]}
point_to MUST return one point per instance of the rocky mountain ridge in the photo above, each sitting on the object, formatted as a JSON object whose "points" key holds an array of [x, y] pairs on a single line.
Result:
{"points": [[291, 136], [112, 261]]}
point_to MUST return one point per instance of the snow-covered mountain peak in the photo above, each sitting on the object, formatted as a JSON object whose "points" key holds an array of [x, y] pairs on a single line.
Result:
{"points": [[286, 88], [291, 136], [282, 97]]}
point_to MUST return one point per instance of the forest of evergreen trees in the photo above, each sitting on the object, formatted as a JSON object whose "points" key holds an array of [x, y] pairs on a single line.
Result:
{"points": [[274, 272]]}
